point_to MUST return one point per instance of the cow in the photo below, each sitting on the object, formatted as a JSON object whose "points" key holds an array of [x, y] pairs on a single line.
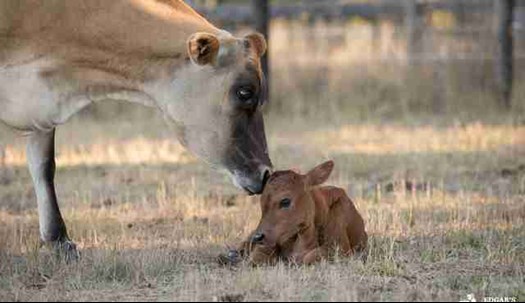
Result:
{"points": [[59, 56], [302, 223]]}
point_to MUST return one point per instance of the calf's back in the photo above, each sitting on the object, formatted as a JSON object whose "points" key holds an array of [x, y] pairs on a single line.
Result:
{"points": [[338, 222]]}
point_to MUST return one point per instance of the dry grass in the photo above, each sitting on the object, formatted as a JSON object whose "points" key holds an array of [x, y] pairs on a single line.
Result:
{"points": [[444, 207]]}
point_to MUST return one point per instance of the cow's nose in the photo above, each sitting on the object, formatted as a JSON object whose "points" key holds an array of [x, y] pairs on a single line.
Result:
{"points": [[258, 238]]}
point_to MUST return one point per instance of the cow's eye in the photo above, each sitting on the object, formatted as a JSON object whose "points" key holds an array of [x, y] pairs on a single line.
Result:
{"points": [[285, 203], [246, 94]]}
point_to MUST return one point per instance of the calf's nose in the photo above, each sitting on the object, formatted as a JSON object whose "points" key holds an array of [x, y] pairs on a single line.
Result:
{"points": [[258, 238]]}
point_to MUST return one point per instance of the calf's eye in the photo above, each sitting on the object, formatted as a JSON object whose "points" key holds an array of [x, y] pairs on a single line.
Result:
{"points": [[285, 203]]}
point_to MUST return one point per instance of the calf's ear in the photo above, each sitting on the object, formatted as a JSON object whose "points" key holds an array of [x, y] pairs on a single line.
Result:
{"points": [[319, 174], [203, 48]]}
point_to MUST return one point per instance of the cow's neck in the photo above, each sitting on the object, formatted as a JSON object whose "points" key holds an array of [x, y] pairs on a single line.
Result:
{"points": [[72, 53]]}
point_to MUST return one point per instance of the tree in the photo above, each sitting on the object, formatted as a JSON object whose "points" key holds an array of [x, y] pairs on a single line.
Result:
{"points": [[504, 60], [261, 12], [414, 28]]}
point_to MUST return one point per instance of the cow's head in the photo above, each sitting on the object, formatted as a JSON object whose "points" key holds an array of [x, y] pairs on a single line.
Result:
{"points": [[287, 206], [215, 101]]}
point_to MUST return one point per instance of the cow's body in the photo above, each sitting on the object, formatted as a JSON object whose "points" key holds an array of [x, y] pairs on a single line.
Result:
{"points": [[58, 56]]}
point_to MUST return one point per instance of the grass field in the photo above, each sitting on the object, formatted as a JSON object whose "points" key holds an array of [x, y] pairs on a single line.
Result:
{"points": [[443, 204]]}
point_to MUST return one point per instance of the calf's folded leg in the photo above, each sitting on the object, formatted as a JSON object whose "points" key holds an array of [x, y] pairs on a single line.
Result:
{"points": [[263, 255], [314, 256]]}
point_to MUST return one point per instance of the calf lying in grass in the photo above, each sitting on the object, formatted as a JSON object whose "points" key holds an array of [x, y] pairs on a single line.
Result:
{"points": [[302, 223]]}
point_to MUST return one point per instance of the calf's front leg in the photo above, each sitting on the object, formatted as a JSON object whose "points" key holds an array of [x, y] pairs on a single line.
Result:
{"points": [[314, 256], [41, 158], [262, 255], [255, 254]]}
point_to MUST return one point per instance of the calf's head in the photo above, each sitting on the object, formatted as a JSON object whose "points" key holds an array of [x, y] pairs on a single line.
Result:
{"points": [[287, 206]]}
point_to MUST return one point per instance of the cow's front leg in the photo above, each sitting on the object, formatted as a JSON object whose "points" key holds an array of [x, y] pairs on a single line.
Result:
{"points": [[41, 158]]}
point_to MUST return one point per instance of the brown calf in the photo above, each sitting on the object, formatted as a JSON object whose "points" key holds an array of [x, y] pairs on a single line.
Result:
{"points": [[302, 223]]}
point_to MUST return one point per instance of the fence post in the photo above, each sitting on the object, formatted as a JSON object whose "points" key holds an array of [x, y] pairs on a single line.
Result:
{"points": [[413, 32], [413, 26], [504, 61], [261, 13]]}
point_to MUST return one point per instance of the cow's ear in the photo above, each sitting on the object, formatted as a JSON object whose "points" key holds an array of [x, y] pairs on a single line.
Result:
{"points": [[258, 42], [203, 48], [319, 174]]}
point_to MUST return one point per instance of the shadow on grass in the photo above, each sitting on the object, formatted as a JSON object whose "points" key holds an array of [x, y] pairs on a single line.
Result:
{"points": [[108, 184]]}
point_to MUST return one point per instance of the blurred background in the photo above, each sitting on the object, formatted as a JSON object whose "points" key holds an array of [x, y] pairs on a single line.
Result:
{"points": [[410, 60], [387, 59]]}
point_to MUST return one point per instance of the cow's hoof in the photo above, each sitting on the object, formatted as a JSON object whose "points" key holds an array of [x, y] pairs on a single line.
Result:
{"points": [[66, 250]]}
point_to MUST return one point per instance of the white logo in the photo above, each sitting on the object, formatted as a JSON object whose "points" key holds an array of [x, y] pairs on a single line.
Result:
{"points": [[470, 298], [500, 299]]}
